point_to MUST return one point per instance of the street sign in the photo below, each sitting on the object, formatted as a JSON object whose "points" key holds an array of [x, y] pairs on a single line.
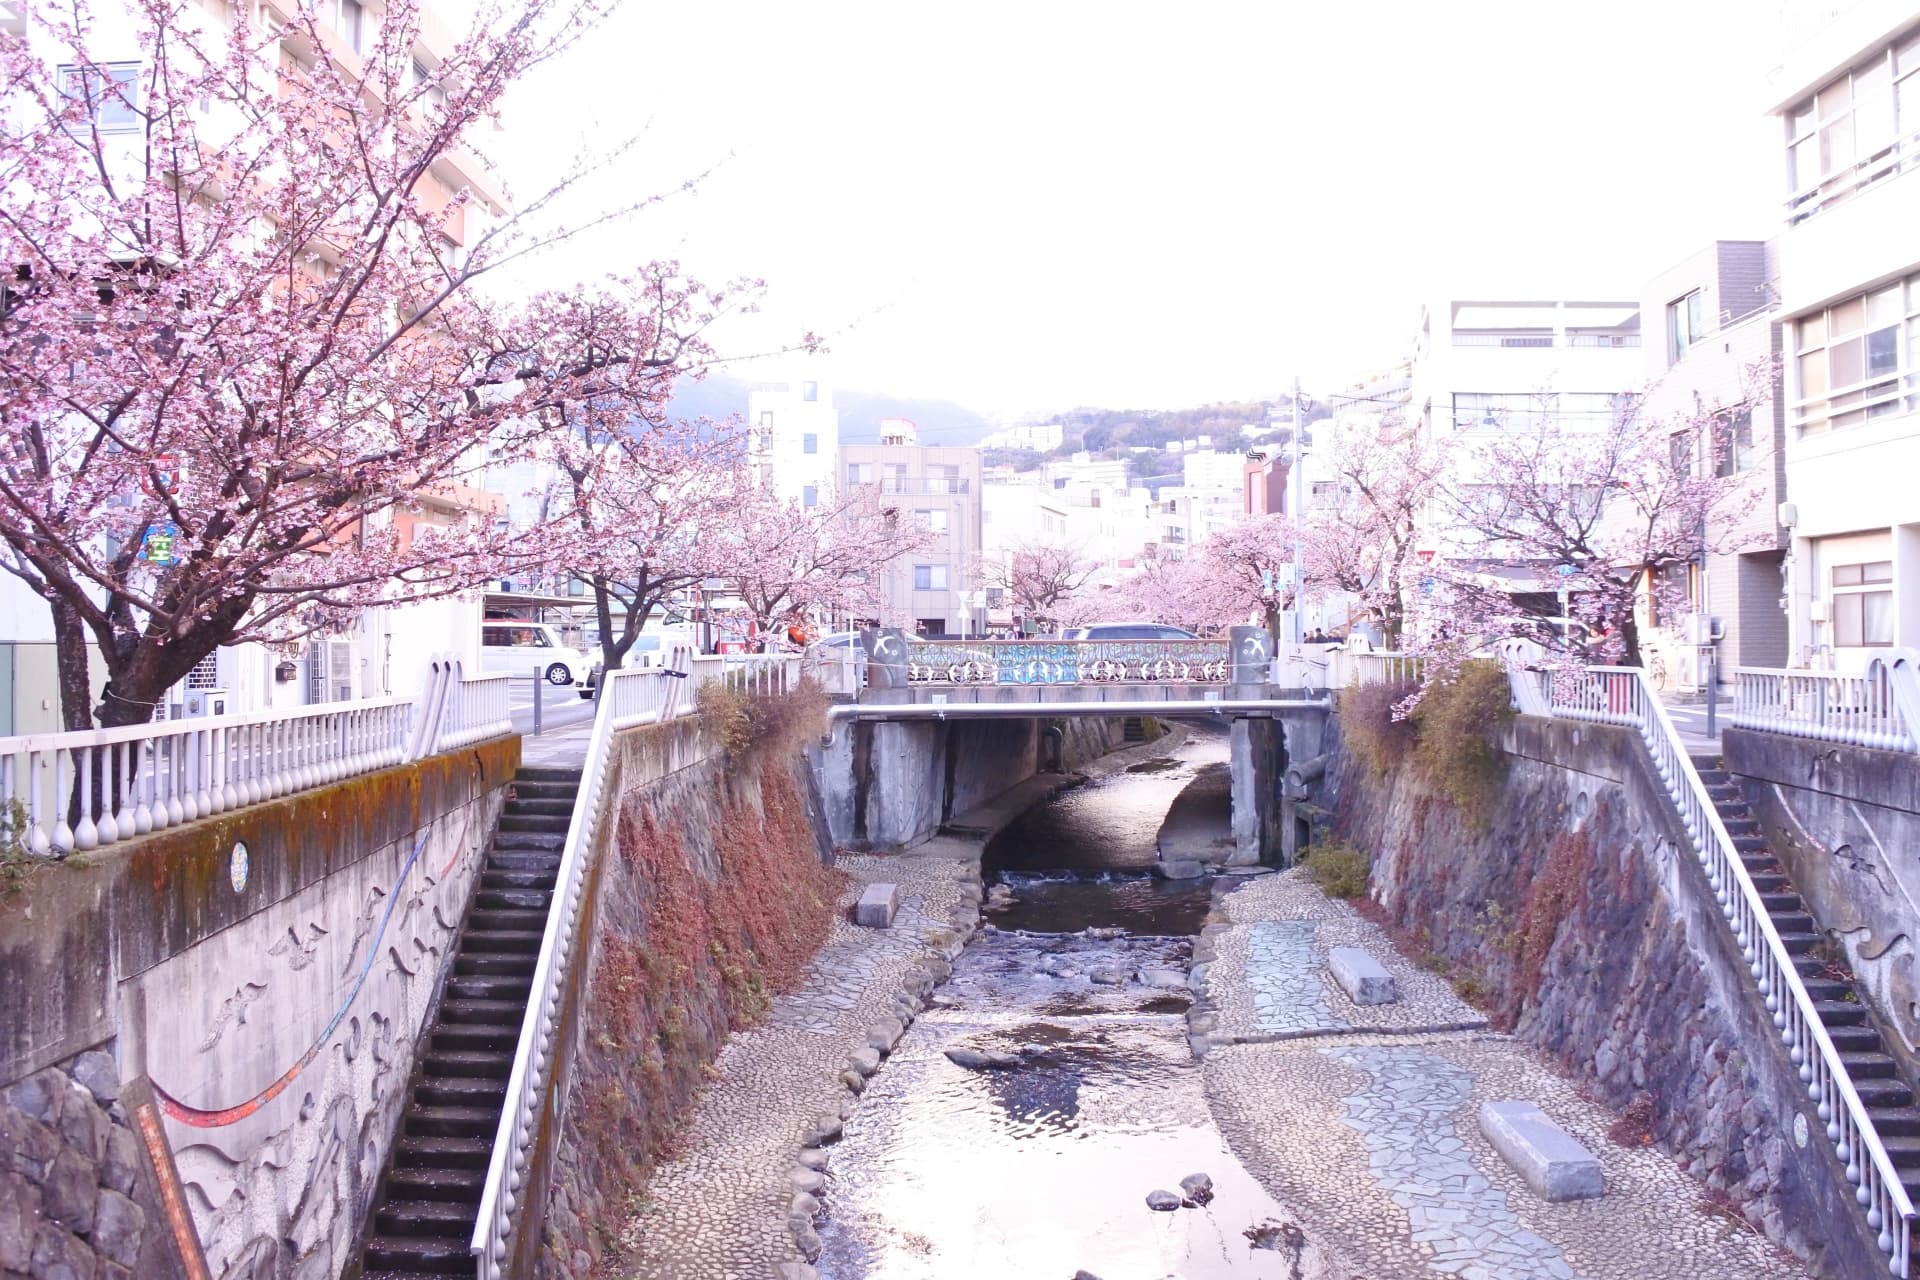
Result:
{"points": [[1565, 570], [156, 545], [1426, 557], [1428, 586]]}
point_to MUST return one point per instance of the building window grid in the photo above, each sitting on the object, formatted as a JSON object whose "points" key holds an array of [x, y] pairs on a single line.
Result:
{"points": [[110, 93], [1857, 129], [1858, 359], [1686, 324], [809, 443], [930, 577], [1862, 608]]}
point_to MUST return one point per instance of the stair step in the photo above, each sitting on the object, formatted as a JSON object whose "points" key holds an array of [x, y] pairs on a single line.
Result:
{"points": [[427, 1255], [547, 773], [1867, 1066], [1740, 825], [1841, 1013], [1799, 944], [1712, 775], [1900, 1122], [530, 879], [510, 987], [1855, 1038], [506, 920], [466, 1091], [1775, 903], [1757, 861], [522, 941], [413, 1152], [451, 1122], [463, 1036], [524, 805], [468, 1064], [552, 823], [531, 790], [1749, 843], [529, 842], [1825, 991], [425, 1218], [1903, 1149], [455, 1186], [1785, 922], [495, 1013], [1883, 1093], [1769, 881], [511, 964], [492, 899]]}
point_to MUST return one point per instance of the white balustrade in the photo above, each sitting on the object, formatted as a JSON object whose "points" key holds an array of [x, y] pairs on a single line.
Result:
{"points": [[1623, 695], [95, 787], [1860, 707], [642, 695], [1382, 667]]}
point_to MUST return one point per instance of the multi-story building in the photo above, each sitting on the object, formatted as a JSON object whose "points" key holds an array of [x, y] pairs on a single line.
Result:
{"points": [[936, 590], [1848, 111], [796, 438], [1712, 374], [1034, 437], [1482, 368]]}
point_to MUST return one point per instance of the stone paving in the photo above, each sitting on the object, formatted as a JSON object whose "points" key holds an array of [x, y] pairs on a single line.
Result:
{"points": [[719, 1210], [1371, 1133], [1268, 977]]}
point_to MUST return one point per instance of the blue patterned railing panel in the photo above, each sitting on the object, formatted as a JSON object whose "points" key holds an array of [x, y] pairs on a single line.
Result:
{"points": [[965, 662]]}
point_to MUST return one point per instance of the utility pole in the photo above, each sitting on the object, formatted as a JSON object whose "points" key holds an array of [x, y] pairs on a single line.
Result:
{"points": [[1298, 481]]}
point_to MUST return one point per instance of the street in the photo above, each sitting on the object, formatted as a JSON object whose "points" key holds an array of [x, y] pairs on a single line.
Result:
{"points": [[559, 705]]}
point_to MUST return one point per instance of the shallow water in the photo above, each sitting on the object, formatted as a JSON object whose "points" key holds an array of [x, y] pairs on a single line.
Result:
{"points": [[1041, 1167]]}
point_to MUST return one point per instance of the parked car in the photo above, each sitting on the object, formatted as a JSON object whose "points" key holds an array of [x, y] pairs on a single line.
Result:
{"points": [[518, 647], [1128, 631]]}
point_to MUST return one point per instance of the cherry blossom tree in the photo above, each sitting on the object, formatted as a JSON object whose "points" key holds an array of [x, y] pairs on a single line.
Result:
{"points": [[241, 343], [790, 565], [1248, 568], [1038, 576], [1600, 511], [1361, 542]]}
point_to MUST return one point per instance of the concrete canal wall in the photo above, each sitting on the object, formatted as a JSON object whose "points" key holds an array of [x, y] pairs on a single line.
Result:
{"points": [[245, 990]]}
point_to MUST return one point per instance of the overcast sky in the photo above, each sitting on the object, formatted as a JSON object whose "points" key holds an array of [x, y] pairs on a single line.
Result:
{"points": [[1034, 205]]}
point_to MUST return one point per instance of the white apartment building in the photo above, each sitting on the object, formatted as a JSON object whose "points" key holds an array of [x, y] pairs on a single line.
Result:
{"points": [[1485, 367], [1215, 491], [936, 590], [1848, 113], [795, 437]]}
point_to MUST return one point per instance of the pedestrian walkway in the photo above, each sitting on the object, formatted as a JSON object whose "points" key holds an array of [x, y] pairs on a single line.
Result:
{"points": [[562, 749], [1364, 1119]]}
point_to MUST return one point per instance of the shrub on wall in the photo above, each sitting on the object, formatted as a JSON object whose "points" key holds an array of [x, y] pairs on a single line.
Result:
{"points": [[751, 725], [1373, 734], [1457, 736], [1338, 868]]}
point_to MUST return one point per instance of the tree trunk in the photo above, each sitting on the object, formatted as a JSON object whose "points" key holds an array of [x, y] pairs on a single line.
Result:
{"points": [[70, 659]]}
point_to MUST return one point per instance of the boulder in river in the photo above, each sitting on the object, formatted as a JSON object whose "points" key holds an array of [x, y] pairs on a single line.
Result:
{"points": [[1164, 979], [1110, 977], [1198, 1186], [1162, 1201]]}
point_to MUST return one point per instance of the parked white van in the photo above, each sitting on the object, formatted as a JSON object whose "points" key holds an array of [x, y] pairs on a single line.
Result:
{"points": [[518, 647]]}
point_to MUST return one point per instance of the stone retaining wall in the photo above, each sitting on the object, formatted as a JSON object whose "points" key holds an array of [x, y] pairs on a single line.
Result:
{"points": [[1575, 914], [709, 894]]}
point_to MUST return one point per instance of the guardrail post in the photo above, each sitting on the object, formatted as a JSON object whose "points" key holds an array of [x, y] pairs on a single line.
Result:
{"points": [[539, 700]]}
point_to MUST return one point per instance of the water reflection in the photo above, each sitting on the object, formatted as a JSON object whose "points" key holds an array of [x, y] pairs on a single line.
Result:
{"points": [[1041, 1167]]}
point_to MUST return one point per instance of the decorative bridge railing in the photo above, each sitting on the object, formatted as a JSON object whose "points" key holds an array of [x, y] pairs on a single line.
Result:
{"points": [[975, 662], [1878, 707]]}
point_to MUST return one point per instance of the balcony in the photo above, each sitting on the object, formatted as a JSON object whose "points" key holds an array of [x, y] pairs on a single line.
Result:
{"points": [[916, 486], [1537, 340]]}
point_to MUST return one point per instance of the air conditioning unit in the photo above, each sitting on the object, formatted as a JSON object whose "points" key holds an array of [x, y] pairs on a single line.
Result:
{"points": [[1787, 516]]}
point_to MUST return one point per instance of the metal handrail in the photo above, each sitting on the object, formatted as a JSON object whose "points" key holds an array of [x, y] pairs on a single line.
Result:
{"points": [[1861, 707], [641, 695], [1849, 1127]]}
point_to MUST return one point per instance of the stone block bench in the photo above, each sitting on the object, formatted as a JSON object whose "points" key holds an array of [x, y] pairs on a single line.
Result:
{"points": [[1362, 977], [877, 905], [1547, 1157]]}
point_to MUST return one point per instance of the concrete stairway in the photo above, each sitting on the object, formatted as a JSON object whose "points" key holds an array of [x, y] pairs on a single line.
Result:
{"points": [[1843, 1011], [423, 1215]]}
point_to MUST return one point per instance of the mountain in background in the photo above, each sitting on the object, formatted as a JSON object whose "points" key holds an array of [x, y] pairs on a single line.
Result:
{"points": [[940, 421]]}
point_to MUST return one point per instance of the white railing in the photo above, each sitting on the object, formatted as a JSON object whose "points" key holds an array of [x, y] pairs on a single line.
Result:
{"points": [[1623, 695], [477, 708], [1864, 708], [1348, 669], [641, 695], [761, 674], [836, 668], [94, 787]]}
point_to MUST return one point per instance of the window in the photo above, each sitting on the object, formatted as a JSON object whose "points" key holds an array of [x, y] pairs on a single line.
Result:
{"points": [[1686, 324], [1848, 134], [934, 521], [929, 577], [1858, 359], [996, 597], [766, 419], [893, 477], [1863, 604], [1733, 441], [810, 391], [930, 626], [353, 22], [1524, 411], [809, 496], [809, 443], [111, 94], [943, 479], [1680, 452], [859, 473]]}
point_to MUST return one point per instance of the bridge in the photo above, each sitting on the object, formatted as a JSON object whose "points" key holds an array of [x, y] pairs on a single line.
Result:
{"points": [[919, 725]]}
